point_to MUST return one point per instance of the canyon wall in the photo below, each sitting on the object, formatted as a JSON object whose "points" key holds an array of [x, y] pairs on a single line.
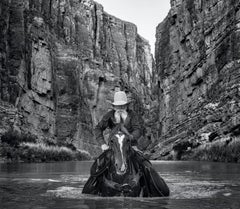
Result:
{"points": [[198, 70], [60, 64]]}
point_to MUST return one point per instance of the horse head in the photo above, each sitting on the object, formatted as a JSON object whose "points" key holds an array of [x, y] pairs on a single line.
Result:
{"points": [[120, 144]]}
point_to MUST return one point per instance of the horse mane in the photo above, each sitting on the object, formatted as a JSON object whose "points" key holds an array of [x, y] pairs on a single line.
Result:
{"points": [[119, 127]]}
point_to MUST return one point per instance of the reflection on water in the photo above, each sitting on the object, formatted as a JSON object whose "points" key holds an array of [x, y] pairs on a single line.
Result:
{"points": [[59, 185]]}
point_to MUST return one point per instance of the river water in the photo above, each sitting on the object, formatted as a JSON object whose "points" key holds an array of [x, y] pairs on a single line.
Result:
{"points": [[193, 185]]}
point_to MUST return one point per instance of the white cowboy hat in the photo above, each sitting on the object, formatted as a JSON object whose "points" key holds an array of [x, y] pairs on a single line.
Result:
{"points": [[120, 98]]}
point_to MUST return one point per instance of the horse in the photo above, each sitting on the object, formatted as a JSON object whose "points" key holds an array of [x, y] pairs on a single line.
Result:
{"points": [[122, 171]]}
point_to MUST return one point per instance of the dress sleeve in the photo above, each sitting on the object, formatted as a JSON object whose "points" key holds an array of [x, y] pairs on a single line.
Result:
{"points": [[101, 126]]}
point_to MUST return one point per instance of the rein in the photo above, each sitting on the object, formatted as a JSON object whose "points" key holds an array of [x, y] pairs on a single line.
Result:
{"points": [[120, 128], [128, 180]]}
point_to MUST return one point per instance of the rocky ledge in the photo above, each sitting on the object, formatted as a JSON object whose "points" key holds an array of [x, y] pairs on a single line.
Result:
{"points": [[61, 62], [197, 63]]}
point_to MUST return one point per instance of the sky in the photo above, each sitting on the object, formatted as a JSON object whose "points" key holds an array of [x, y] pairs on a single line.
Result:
{"points": [[146, 14]]}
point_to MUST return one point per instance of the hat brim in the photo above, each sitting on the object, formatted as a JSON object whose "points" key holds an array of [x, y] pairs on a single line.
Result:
{"points": [[119, 103]]}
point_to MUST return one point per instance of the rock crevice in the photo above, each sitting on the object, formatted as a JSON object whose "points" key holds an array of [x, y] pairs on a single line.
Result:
{"points": [[197, 64], [61, 62]]}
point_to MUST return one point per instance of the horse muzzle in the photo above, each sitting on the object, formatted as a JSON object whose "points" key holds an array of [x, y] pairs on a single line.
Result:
{"points": [[122, 170]]}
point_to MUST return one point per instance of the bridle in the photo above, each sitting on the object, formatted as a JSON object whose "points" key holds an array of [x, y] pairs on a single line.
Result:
{"points": [[120, 134]]}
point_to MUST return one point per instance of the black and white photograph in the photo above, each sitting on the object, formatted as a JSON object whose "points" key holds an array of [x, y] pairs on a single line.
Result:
{"points": [[119, 104]]}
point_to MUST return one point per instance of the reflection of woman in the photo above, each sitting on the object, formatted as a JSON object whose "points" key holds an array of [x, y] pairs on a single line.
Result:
{"points": [[119, 114], [153, 183]]}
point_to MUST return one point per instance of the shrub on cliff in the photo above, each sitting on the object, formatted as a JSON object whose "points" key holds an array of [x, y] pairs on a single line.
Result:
{"points": [[10, 144], [14, 138], [17, 147], [40, 152], [82, 155], [220, 151]]}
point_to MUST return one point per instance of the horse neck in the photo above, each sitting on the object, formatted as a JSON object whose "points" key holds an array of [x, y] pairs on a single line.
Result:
{"points": [[124, 130]]}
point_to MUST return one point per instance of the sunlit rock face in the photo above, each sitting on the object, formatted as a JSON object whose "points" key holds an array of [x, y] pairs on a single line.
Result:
{"points": [[197, 63], [61, 62]]}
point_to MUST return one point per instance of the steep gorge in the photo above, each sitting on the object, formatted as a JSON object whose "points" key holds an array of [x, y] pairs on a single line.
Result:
{"points": [[61, 62], [198, 69]]}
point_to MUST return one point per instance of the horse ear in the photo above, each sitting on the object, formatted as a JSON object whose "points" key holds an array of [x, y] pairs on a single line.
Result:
{"points": [[121, 127], [121, 121], [124, 130]]}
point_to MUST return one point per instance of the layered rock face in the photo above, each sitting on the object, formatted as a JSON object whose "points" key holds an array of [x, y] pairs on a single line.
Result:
{"points": [[61, 62], [197, 62]]}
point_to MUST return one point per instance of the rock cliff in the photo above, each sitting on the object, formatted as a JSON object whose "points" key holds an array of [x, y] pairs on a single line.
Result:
{"points": [[197, 65], [61, 62]]}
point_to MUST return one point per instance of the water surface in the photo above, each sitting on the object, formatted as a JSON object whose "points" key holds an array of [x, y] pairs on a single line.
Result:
{"points": [[193, 185]]}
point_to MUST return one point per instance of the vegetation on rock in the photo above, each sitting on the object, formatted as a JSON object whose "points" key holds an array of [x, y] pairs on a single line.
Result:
{"points": [[15, 147]]}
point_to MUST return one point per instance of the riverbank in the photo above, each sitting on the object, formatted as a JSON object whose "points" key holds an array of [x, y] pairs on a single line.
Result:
{"points": [[39, 152], [226, 149], [26, 148]]}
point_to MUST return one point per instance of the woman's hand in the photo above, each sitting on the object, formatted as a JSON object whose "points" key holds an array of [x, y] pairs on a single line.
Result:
{"points": [[104, 147]]}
